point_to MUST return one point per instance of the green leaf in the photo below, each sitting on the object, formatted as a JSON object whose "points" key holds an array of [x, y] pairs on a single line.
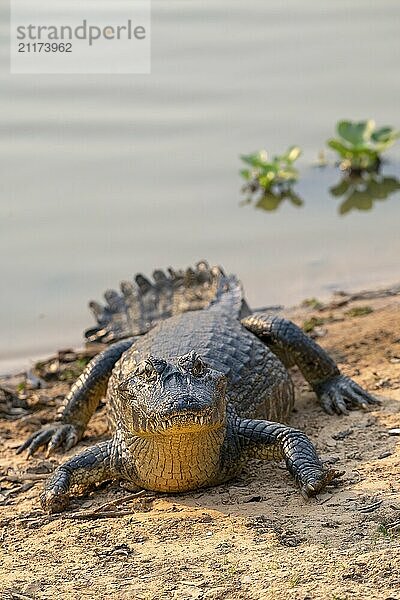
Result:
{"points": [[382, 134], [356, 133], [250, 159], [260, 159], [363, 150], [271, 168], [339, 147], [246, 174], [385, 134], [257, 159]]}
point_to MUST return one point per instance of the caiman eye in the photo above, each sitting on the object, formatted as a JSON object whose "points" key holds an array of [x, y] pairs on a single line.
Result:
{"points": [[146, 370], [198, 368]]}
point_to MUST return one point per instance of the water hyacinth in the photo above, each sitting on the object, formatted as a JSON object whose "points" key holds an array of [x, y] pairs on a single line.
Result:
{"points": [[360, 144], [267, 174]]}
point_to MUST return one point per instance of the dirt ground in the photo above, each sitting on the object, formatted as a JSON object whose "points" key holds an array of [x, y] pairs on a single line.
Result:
{"points": [[253, 538]]}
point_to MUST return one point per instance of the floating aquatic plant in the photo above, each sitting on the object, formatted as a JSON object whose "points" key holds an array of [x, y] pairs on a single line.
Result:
{"points": [[270, 174], [360, 144]]}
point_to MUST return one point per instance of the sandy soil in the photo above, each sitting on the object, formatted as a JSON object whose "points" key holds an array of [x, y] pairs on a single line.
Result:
{"points": [[254, 538]]}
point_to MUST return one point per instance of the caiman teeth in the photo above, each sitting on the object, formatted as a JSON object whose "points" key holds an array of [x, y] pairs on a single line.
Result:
{"points": [[182, 419]]}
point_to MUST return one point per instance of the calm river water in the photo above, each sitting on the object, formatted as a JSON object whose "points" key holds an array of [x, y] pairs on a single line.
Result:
{"points": [[102, 176]]}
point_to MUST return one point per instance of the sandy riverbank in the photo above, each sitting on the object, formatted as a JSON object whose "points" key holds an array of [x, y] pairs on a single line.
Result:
{"points": [[250, 539]]}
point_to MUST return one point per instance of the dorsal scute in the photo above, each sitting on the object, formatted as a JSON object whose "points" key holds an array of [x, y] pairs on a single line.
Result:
{"points": [[143, 303]]}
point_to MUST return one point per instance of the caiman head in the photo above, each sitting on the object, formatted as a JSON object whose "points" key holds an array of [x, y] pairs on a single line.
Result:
{"points": [[177, 397]]}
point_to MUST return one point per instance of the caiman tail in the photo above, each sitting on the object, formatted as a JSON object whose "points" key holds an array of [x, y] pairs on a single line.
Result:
{"points": [[142, 303]]}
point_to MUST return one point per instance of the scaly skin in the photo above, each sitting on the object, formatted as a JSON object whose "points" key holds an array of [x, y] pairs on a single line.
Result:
{"points": [[183, 397], [336, 392], [182, 462], [79, 404]]}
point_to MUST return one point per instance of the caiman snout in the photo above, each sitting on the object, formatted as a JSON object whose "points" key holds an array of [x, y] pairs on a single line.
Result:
{"points": [[189, 413]]}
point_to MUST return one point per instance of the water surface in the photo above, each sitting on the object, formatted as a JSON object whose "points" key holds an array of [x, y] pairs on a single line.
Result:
{"points": [[102, 176]]}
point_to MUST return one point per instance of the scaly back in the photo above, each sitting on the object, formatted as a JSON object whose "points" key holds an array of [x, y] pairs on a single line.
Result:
{"points": [[141, 304]]}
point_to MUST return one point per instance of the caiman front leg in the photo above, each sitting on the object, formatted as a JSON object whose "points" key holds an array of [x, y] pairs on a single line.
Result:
{"points": [[274, 441], [79, 404], [336, 392], [93, 465]]}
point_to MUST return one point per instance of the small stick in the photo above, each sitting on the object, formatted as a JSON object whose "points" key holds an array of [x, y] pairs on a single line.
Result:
{"points": [[320, 502], [118, 501], [78, 516], [105, 514]]}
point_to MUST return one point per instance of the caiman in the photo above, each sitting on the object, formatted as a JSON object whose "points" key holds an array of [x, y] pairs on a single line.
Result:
{"points": [[196, 384]]}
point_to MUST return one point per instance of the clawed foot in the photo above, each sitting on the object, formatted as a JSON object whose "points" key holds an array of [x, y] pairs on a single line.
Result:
{"points": [[55, 496], [341, 394], [315, 482], [53, 436], [54, 500]]}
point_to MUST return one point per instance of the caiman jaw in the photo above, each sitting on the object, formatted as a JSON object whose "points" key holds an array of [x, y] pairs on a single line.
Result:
{"points": [[187, 422]]}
